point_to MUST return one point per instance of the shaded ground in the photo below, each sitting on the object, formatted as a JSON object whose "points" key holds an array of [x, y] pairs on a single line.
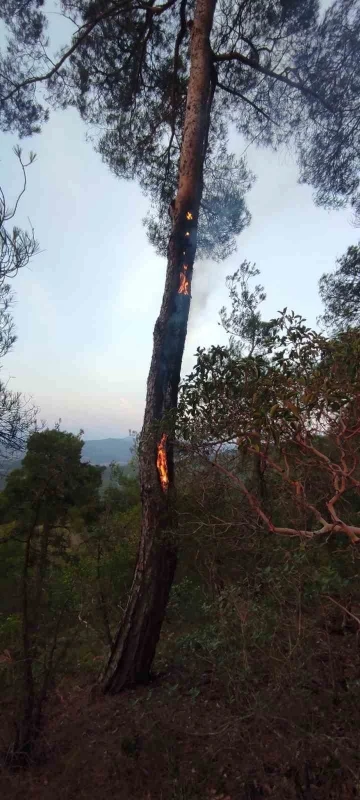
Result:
{"points": [[185, 737]]}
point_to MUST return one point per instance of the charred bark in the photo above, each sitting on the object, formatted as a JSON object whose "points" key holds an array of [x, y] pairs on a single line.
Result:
{"points": [[134, 648]]}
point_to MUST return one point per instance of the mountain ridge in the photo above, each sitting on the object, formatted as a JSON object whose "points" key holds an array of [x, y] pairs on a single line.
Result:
{"points": [[96, 451], [104, 451]]}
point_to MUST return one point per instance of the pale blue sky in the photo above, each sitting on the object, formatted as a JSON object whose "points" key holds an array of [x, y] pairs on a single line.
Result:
{"points": [[86, 307]]}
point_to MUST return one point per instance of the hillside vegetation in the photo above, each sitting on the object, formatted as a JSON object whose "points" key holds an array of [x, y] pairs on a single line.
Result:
{"points": [[256, 683], [183, 625]]}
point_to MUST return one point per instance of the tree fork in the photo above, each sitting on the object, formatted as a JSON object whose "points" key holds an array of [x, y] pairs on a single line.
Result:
{"points": [[135, 644]]}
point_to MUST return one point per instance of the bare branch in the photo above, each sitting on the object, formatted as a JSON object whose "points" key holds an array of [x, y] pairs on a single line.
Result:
{"points": [[352, 531], [246, 100], [346, 610], [248, 62]]}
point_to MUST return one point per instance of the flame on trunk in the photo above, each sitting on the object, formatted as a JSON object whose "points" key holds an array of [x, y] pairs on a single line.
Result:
{"points": [[161, 463], [184, 283], [189, 215]]}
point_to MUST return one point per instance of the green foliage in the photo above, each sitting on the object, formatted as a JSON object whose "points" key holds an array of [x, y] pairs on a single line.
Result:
{"points": [[186, 597], [244, 324], [51, 481], [67, 561], [300, 379], [45, 595], [261, 605], [340, 292], [205, 641], [283, 428], [122, 491]]}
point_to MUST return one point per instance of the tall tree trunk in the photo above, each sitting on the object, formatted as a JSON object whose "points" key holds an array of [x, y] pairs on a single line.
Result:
{"points": [[134, 647]]}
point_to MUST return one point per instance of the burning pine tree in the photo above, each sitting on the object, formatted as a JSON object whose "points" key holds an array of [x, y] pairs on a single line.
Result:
{"points": [[165, 79]]}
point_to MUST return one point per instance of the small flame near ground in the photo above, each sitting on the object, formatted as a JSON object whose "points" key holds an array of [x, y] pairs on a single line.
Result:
{"points": [[161, 463]]}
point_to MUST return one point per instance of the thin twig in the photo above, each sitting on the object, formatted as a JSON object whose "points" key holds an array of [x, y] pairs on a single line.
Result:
{"points": [[343, 608], [251, 103]]}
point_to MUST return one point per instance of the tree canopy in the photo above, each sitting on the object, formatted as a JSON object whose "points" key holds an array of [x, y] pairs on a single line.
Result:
{"points": [[340, 292], [52, 479], [295, 409], [283, 72]]}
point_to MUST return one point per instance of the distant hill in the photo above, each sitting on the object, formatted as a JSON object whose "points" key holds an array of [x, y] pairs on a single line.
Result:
{"points": [[104, 451], [97, 451], [8, 465]]}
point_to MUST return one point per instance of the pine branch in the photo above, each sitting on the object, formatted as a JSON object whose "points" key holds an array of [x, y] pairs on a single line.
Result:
{"points": [[246, 100], [86, 30], [248, 62]]}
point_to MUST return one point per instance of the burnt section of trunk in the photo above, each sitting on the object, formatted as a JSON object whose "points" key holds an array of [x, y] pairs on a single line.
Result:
{"points": [[134, 648]]}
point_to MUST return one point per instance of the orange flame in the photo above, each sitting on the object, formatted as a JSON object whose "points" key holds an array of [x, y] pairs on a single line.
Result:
{"points": [[184, 283], [161, 463], [189, 215]]}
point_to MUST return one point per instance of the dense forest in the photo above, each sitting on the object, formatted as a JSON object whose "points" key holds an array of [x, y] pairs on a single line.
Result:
{"points": [[187, 626]]}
